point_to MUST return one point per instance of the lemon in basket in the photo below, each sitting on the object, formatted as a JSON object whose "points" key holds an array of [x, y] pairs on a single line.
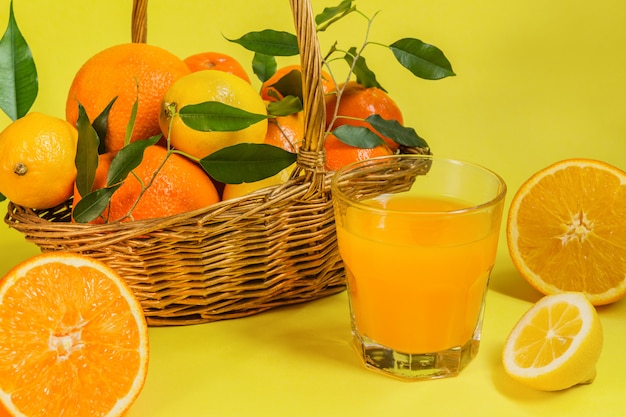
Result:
{"points": [[556, 344], [37, 155], [205, 86]]}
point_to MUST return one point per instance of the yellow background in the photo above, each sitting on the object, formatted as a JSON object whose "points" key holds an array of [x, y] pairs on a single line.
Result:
{"points": [[538, 81]]}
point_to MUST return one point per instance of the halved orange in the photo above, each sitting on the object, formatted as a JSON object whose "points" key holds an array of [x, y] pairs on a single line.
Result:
{"points": [[566, 230], [73, 339]]}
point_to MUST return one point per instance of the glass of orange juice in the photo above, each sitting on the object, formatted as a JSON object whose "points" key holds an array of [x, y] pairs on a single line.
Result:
{"points": [[418, 237]]}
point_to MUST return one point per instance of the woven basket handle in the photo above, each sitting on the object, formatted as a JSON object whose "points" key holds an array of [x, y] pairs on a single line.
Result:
{"points": [[139, 22]]}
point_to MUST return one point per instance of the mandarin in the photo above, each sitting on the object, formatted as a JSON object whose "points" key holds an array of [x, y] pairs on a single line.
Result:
{"points": [[286, 132], [339, 154], [356, 104], [133, 72], [179, 186], [37, 155], [73, 339], [216, 61]]}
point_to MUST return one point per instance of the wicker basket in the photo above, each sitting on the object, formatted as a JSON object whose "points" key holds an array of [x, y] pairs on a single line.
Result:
{"points": [[239, 257], [236, 258]]}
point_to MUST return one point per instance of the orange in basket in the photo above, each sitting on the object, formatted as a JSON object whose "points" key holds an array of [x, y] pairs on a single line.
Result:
{"points": [[131, 72], [73, 339]]}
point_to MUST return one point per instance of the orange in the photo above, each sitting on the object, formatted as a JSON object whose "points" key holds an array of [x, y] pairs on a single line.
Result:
{"points": [[286, 132], [203, 86], [339, 154], [131, 72], [73, 339], [356, 104], [180, 185], [556, 344], [268, 92], [566, 230], [37, 155], [216, 61]]}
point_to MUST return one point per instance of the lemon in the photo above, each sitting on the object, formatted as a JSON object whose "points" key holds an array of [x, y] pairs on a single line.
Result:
{"points": [[37, 168], [208, 85], [238, 190], [556, 344]]}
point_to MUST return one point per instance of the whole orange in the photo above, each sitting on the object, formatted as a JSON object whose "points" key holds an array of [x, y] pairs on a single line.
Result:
{"points": [[180, 185], [339, 154], [131, 72], [286, 132], [268, 92], [357, 103], [37, 154], [216, 61], [210, 86]]}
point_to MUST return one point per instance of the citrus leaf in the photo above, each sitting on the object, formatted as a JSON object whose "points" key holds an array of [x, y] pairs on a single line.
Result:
{"points": [[423, 60], [18, 73], [246, 162], [289, 84], [269, 42], [364, 75], [214, 116], [392, 129], [357, 136], [93, 204], [101, 123], [285, 107], [127, 159], [332, 14], [2, 198], [86, 160], [131, 122], [263, 66]]}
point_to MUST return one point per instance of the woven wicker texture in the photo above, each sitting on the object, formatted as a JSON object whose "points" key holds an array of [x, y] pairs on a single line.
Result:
{"points": [[240, 257]]}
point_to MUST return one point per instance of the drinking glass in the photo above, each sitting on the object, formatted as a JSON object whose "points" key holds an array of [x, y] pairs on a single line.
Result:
{"points": [[418, 237]]}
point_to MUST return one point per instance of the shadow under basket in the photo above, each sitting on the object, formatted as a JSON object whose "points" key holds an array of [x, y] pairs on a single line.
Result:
{"points": [[234, 259]]}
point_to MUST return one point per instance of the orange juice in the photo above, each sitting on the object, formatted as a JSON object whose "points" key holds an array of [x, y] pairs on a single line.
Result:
{"points": [[417, 281]]}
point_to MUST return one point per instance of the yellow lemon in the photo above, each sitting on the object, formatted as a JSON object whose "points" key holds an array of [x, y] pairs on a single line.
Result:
{"points": [[556, 344], [37, 168], [207, 85], [238, 190]]}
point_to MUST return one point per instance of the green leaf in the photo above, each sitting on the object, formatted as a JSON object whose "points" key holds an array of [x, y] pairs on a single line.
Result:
{"points": [[18, 73], [127, 159], [285, 107], [131, 122], [289, 84], [392, 129], [357, 136], [269, 42], [332, 14], [2, 198], [214, 116], [86, 160], [93, 204], [246, 162], [364, 75], [263, 66], [100, 125], [423, 60]]}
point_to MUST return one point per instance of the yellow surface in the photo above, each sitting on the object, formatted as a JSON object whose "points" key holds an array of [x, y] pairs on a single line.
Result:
{"points": [[537, 82]]}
